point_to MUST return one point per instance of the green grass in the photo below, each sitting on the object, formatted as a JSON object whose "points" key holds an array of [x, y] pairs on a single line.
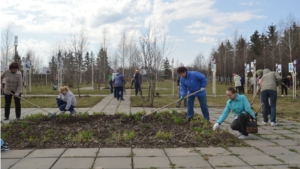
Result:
{"points": [[163, 135], [126, 136], [84, 136], [50, 102], [43, 89]]}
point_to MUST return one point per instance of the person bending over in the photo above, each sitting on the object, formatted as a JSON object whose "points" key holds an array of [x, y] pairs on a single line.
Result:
{"points": [[66, 101], [193, 81], [240, 106]]}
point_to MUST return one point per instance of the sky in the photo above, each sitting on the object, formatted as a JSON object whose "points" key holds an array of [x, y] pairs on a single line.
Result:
{"points": [[192, 27]]}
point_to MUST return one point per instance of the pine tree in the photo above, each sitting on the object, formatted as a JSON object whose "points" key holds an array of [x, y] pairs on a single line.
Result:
{"points": [[167, 67]]}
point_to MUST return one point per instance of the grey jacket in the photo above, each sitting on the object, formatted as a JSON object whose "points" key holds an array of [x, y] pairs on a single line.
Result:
{"points": [[118, 80], [270, 80], [14, 82], [70, 99]]}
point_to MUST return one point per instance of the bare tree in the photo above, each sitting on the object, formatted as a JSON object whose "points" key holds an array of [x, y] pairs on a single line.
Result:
{"points": [[152, 50], [123, 50], [6, 44], [78, 45]]}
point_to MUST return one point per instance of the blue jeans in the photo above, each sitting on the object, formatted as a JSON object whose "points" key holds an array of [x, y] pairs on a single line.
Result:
{"points": [[203, 105], [265, 95], [62, 105], [119, 91]]}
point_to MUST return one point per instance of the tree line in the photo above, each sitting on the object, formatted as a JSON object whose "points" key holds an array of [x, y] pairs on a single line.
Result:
{"points": [[279, 44]]}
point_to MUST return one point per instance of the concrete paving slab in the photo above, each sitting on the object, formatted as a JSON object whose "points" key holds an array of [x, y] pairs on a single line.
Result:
{"points": [[139, 152], [239, 167], [277, 150], [245, 151], [212, 151], [15, 154], [225, 161], [260, 143], [286, 142], [73, 163], [46, 153], [136, 109], [189, 162], [148, 162], [7, 163], [272, 167], [293, 136], [262, 131], [260, 160], [181, 152], [290, 159], [114, 152], [283, 132], [293, 148], [271, 136], [116, 162], [34, 163], [80, 152]]}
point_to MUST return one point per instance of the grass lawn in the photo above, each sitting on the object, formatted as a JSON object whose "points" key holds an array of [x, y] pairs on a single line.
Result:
{"points": [[47, 90], [50, 102], [287, 107]]}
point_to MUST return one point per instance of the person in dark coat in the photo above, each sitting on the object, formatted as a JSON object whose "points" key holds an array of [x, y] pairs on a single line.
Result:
{"points": [[119, 85], [138, 83], [285, 84]]}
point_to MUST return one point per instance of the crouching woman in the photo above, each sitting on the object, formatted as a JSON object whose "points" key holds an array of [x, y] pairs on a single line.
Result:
{"points": [[240, 106], [66, 100]]}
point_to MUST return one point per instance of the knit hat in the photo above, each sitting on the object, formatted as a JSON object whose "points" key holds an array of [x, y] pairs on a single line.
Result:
{"points": [[259, 72]]}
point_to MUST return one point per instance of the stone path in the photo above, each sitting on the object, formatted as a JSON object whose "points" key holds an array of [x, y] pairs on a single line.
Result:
{"points": [[273, 148]]}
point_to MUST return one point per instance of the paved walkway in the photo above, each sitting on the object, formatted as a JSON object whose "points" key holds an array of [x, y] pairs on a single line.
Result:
{"points": [[273, 148]]}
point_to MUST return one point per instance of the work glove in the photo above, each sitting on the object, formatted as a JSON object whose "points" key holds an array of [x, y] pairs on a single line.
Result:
{"points": [[202, 89], [182, 98], [216, 126]]}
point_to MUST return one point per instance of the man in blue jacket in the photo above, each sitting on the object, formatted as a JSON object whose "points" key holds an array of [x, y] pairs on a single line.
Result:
{"points": [[192, 81], [240, 106]]}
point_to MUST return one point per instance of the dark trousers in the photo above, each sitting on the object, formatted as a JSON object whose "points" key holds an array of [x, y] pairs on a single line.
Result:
{"points": [[138, 88], [265, 95], [111, 86], [62, 105], [2, 88], [8, 98], [242, 89], [240, 124], [119, 92], [238, 89], [115, 93], [203, 105], [283, 88]]}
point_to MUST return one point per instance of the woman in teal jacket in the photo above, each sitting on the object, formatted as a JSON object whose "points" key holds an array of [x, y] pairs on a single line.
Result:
{"points": [[240, 106]]}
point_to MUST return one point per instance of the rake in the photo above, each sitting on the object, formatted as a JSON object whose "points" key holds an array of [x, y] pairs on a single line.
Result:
{"points": [[172, 103], [49, 113]]}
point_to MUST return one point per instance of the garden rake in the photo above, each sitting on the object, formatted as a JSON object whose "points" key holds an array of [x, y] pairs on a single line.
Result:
{"points": [[49, 113], [172, 103]]}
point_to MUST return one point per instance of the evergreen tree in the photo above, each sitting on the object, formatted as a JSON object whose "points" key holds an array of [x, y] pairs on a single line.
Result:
{"points": [[167, 67]]}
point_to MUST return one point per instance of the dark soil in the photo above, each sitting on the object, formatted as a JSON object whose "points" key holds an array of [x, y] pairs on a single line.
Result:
{"points": [[120, 130]]}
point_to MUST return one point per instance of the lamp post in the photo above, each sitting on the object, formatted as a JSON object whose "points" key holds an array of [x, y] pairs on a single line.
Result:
{"points": [[214, 69]]}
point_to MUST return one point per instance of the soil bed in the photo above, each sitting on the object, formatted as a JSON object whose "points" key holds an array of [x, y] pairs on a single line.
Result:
{"points": [[159, 130]]}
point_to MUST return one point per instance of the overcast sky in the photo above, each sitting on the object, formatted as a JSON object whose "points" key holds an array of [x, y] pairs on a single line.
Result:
{"points": [[192, 26]]}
